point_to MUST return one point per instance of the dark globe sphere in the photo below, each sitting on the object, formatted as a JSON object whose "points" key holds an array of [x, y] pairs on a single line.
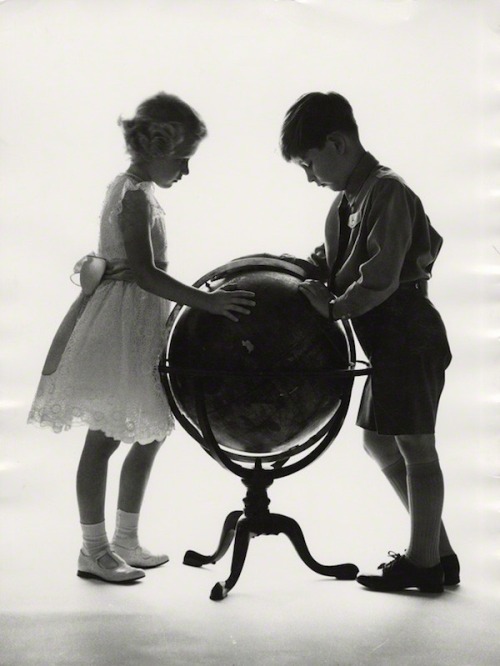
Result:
{"points": [[266, 383]]}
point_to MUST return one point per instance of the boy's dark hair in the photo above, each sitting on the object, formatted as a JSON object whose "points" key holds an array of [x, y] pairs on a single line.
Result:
{"points": [[311, 119]]}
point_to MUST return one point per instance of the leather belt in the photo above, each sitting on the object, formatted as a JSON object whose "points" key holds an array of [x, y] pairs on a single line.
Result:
{"points": [[419, 285]]}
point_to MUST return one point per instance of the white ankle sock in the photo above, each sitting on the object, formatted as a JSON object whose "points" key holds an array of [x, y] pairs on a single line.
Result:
{"points": [[95, 539], [126, 531]]}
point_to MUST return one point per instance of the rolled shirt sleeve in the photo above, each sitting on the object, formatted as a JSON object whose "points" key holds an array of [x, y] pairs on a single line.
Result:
{"points": [[387, 238], [315, 265], [319, 266]]}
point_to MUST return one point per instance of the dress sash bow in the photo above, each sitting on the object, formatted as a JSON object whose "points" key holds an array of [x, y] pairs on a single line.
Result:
{"points": [[93, 270]]}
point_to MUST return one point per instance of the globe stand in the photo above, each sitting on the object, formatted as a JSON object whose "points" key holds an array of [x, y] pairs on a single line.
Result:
{"points": [[256, 519], [192, 374]]}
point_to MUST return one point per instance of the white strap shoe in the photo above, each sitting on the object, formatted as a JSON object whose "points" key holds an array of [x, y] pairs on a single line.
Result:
{"points": [[139, 556], [107, 566]]}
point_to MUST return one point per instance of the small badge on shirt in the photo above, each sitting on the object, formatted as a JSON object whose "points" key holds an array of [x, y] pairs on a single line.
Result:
{"points": [[354, 220]]}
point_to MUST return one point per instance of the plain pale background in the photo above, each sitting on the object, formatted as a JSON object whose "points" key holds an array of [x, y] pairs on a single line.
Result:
{"points": [[422, 77]]}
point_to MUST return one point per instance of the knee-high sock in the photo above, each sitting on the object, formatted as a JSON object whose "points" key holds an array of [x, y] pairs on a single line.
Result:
{"points": [[396, 475], [425, 493]]}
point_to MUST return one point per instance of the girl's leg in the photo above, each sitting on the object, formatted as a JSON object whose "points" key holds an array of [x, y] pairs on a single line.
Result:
{"points": [[96, 559], [92, 476], [135, 475], [134, 478]]}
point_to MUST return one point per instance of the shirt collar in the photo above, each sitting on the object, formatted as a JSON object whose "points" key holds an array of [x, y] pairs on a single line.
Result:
{"points": [[359, 175]]}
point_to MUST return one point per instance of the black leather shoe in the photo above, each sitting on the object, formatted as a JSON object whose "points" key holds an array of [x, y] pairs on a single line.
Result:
{"points": [[451, 569], [400, 574]]}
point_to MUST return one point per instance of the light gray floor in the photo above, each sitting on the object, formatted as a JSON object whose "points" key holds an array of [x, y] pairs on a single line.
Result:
{"points": [[280, 612]]}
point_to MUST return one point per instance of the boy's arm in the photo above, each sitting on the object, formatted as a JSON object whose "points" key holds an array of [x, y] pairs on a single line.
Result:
{"points": [[389, 238], [315, 265]]}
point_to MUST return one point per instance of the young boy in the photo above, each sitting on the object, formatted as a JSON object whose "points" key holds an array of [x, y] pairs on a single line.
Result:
{"points": [[373, 269]]}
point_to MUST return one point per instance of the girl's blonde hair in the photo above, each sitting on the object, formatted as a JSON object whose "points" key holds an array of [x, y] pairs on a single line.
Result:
{"points": [[160, 124]]}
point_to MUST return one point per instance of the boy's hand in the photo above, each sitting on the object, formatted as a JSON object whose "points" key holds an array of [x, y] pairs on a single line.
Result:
{"points": [[317, 295]]}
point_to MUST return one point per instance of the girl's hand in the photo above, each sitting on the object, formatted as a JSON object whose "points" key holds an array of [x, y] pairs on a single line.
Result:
{"points": [[226, 302], [317, 295]]}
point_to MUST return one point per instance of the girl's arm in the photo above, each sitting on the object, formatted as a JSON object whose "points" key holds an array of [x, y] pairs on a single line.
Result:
{"points": [[134, 221]]}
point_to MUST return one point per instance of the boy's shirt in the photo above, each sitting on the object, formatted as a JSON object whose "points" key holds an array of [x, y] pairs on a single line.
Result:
{"points": [[390, 240]]}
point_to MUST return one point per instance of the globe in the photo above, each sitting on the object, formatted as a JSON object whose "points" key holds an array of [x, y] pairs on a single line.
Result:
{"points": [[271, 380]]}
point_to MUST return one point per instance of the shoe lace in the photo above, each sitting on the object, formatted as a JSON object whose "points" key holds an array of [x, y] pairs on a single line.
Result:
{"points": [[388, 565]]}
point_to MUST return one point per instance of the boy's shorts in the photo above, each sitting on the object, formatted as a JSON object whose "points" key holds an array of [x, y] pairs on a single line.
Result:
{"points": [[405, 341]]}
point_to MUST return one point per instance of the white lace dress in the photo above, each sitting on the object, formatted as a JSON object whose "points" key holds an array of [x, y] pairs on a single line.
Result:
{"points": [[108, 377]]}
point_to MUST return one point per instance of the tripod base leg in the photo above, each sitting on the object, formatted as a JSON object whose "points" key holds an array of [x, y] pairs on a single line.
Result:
{"points": [[194, 559], [241, 541], [292, 530]]}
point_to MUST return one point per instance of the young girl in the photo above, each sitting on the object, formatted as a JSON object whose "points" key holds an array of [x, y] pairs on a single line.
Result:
{"points": [[102, 368]]}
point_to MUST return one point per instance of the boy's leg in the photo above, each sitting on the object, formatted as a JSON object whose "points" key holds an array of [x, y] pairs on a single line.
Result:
{"points": [[382, 448], [134, 478], [420, 567], [425, 495], [385, 452]]}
